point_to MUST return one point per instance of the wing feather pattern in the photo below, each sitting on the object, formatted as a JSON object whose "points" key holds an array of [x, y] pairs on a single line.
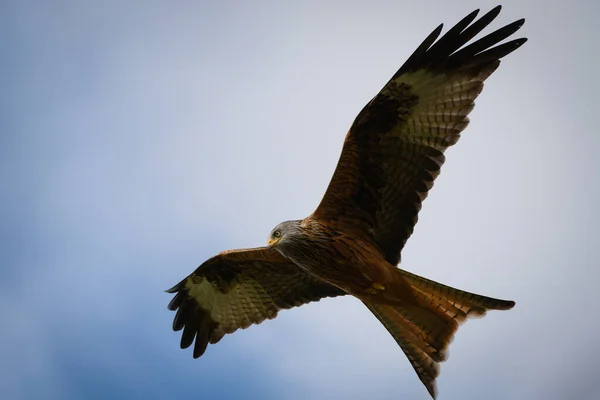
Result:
{"points": [[236, 289], [395, 147]]}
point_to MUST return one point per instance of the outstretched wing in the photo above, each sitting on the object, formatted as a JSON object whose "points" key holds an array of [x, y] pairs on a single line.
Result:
{"points": [[395, 147], [236, 289]]}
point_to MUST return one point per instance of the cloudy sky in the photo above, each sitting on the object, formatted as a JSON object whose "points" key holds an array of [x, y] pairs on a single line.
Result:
{"points": [[138, 138]]}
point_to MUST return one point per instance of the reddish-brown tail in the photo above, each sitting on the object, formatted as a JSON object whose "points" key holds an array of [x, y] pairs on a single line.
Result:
{"points": [[424, 331]]}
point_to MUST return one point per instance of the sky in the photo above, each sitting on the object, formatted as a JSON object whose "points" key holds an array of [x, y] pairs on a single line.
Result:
{"points": [[139, 138]]}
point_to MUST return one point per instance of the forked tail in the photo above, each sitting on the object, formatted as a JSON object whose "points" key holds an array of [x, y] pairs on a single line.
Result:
{"points": [[424, 331]]}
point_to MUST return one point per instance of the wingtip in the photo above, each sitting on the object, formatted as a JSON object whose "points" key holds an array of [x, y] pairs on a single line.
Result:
{"points": [[491, 15], [474, 13], [177, 287], [466, 21], [199, 348], [520, 42], [520, 22], [174, 289]]}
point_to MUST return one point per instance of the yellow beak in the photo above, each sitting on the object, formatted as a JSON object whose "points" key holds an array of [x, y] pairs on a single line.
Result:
{"points": [[271, 242]]}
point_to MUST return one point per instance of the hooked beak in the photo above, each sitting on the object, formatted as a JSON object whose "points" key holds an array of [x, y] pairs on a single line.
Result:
{"points": [[271, 242]]}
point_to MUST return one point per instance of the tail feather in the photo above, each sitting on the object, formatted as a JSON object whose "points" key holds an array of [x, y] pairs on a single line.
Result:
{"points": [[452, 300], [434, 328], [423, 357], [424, 330]]}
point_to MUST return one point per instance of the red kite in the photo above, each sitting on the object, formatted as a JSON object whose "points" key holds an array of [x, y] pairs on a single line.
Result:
{"points": [[351, 244]]}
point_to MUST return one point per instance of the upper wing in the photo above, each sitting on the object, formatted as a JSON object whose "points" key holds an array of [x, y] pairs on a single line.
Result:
{"points": [[236, 289], [395, 147]]}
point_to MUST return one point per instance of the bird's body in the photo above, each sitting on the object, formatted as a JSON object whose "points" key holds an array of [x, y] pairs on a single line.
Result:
{"points": [[327, 254], [352, 243], [347, 262]]}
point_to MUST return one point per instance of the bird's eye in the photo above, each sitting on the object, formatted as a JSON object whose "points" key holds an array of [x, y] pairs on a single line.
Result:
{"points": [[277, 234]]}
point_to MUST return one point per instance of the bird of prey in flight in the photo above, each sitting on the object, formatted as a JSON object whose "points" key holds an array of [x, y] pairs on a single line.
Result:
{"points": [[351, 244]]}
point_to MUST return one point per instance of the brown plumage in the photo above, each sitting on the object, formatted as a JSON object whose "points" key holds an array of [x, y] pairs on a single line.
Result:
{"points": [[351, 244]]}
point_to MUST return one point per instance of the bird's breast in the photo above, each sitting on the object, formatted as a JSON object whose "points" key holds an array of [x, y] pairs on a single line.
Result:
{"points": [[347, 262]]}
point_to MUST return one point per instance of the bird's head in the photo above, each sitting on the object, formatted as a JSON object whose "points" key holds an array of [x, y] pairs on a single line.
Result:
{"points": [[283, 232]]}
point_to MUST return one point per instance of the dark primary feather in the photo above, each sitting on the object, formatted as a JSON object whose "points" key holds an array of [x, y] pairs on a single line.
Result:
{"points": [[236, 289], [395, 147]]}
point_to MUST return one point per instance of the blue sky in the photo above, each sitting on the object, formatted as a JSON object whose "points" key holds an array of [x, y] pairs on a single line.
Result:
{"points": [[139, 138]]}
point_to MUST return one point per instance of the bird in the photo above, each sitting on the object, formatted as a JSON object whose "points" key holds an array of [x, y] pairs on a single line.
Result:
{"points": [[352, 243]]}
